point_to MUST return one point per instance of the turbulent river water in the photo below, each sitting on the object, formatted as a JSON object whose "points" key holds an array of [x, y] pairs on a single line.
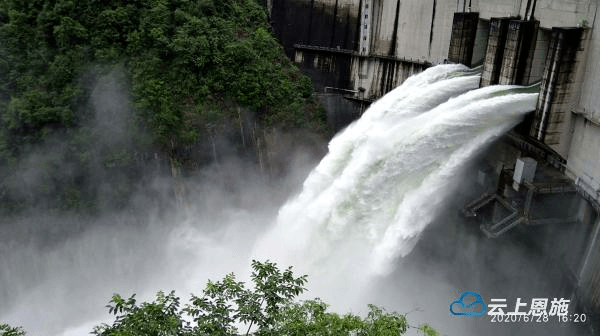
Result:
{"points": [[386, 177]]}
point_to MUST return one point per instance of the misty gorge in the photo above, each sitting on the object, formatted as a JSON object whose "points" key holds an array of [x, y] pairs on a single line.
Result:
{"points": [[157, 146]]}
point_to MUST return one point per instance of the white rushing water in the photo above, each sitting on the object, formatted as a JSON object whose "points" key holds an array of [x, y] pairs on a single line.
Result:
{"points": [[388, 174], [385, 178]]}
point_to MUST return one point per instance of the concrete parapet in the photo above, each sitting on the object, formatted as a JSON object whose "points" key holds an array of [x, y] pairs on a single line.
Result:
{"points": [[462, 40]]}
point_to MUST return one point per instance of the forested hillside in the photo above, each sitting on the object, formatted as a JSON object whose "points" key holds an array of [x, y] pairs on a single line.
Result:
{"points": [[89, 88]]}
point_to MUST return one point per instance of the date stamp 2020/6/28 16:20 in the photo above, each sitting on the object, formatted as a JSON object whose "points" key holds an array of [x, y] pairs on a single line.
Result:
{"points": [[536, 310]]}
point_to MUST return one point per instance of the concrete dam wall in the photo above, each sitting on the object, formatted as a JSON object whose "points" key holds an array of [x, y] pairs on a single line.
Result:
{"points": [[364, 48]]}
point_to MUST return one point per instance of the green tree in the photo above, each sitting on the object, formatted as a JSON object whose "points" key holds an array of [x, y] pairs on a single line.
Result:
{"points": [[268, 308], [182, 57], [189, 67], [6, 330]]}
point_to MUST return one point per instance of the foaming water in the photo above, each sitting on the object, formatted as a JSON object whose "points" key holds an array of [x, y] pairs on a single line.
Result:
{"points": [[385, 178]]}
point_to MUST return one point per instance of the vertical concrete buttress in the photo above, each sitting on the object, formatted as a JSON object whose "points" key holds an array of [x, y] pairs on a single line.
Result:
{"points": [[552, 110], [518, 52], [495, 51], [462, 39]]}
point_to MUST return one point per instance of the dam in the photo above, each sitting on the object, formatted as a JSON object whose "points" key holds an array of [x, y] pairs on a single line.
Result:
{"points": [[543, 175], [447, 182]]}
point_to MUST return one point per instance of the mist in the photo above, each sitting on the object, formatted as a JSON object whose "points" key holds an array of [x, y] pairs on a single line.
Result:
{"points": [[58, 272], [167, 232], [147, 230]]}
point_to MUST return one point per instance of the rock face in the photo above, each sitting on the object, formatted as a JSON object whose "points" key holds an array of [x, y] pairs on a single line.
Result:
{"points": [[271, 148]]}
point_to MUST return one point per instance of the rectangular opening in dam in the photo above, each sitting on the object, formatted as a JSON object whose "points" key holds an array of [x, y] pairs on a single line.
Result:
{"points": [[481, 41], [542, 45]]}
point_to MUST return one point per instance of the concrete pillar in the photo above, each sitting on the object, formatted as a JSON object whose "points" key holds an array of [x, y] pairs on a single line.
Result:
{"points": [[365, 26], [462, 40], [518, 52], [552, 112], [495, 51]]}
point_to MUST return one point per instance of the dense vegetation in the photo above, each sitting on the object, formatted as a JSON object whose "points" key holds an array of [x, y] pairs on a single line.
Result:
{"points": [[185, 66], [269, 308]]}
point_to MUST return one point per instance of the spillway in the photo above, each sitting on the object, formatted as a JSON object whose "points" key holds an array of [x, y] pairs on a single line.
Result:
{"points": [[387, 175]]}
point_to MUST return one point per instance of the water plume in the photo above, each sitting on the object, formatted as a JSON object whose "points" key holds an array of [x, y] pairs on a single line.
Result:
{"points": [[387, 176]]}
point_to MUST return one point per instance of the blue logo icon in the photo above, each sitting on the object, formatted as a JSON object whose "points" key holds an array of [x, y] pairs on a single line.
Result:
{"points": [[468, 304]]}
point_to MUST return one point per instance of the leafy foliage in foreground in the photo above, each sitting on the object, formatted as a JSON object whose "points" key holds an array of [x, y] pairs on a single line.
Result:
{"points": [[6, 330], [229, 308], [266, 309]]}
